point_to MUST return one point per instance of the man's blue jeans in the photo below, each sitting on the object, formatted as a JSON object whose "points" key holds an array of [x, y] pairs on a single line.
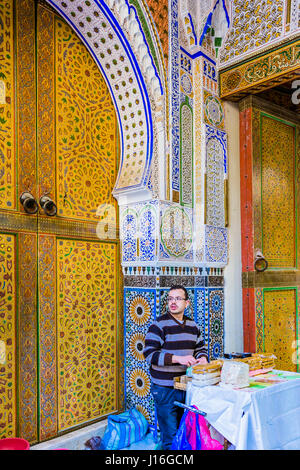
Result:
{"points": [[168, 414]]}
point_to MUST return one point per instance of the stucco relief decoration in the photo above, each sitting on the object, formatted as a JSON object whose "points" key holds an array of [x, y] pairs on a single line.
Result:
{"points": [[176, 231], [216, 149], [186, 154], [293, 16], [213, 110], [216, 24], [255, 24], [175, 96], [215, 244], [113, 35], [186, 84]]}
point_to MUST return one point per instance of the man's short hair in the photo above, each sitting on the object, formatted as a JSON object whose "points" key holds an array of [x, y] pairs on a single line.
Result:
{"points": [[175, 287]]}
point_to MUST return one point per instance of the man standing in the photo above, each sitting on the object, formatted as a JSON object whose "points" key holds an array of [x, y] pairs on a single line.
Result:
{"points": [[172, 344]]}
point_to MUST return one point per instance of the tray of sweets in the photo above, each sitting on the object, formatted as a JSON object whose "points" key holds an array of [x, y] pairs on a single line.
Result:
{"points": [[253, 362], [198, 381], [212, 366], [267, 360]]}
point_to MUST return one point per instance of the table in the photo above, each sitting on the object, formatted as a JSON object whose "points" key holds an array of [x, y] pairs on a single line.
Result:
{"points": [[259, 417]]}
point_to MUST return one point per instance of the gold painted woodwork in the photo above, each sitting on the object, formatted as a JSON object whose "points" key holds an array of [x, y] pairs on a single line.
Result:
{"points": [[7, 110], [280, 328], [17, 221], [278, 192], [86, 331], [273, 278], [32, 163], [28, 337], [8, 325], [261, 73], [287, 123], [45, 100], [85, 123], [47, 336], [26, 96], [275, 200]]}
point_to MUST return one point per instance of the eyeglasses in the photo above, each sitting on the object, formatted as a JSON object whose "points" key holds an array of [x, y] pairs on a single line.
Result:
{"points": [[175, 299]]}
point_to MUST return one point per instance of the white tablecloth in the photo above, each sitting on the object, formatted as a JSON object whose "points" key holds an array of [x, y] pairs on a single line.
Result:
{"points": [[266, 419]]}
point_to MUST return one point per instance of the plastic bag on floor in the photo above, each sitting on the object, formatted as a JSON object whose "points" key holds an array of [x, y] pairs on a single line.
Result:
{"points": [[193, 434]]}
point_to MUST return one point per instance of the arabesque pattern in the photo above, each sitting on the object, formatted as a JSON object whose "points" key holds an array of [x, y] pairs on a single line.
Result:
{"points": [[159, 11], [85, 130], [7, 104], [86, 331], [280, 325], [8, 385], [278, 192]]}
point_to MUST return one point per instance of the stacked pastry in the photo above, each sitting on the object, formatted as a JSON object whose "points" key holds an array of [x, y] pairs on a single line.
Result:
{"points": [[254, 362], [207, 374], [267, 360]]}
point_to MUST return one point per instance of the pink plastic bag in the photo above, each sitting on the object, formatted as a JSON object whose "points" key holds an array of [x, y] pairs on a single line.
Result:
{"points": [[193, 434]]}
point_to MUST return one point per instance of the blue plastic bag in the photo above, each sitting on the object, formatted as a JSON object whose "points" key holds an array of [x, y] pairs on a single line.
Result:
{"points": [[193, 433], [188, 436], [124, 429]]}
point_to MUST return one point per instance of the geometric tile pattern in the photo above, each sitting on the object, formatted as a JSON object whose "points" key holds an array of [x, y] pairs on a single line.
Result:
{"points": [[216, 322], [141, 307], [139, 311]]}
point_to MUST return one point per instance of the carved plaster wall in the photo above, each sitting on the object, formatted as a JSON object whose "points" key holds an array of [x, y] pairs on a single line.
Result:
{"points": [[112, 32], [258, 26]]}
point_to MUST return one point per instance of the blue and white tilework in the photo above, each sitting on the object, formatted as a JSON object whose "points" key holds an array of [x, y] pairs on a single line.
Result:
{"points": [[216, 242], [216, 322], [139, 309]]}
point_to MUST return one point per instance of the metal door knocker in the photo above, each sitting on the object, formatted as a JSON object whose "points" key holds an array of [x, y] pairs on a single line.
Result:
{"points": [[48, 206], [29, 203], [260, 262]]}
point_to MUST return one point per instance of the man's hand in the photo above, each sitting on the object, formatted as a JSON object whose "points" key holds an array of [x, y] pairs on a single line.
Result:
{"points": [[184, 360], [201, 360]]}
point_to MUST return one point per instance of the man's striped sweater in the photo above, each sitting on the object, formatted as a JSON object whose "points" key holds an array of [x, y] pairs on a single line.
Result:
{"points": [[165, 337]]}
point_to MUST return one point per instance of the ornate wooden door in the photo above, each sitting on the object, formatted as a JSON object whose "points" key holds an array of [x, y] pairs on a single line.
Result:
{"points": [[59, 274], [270, 190]]}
